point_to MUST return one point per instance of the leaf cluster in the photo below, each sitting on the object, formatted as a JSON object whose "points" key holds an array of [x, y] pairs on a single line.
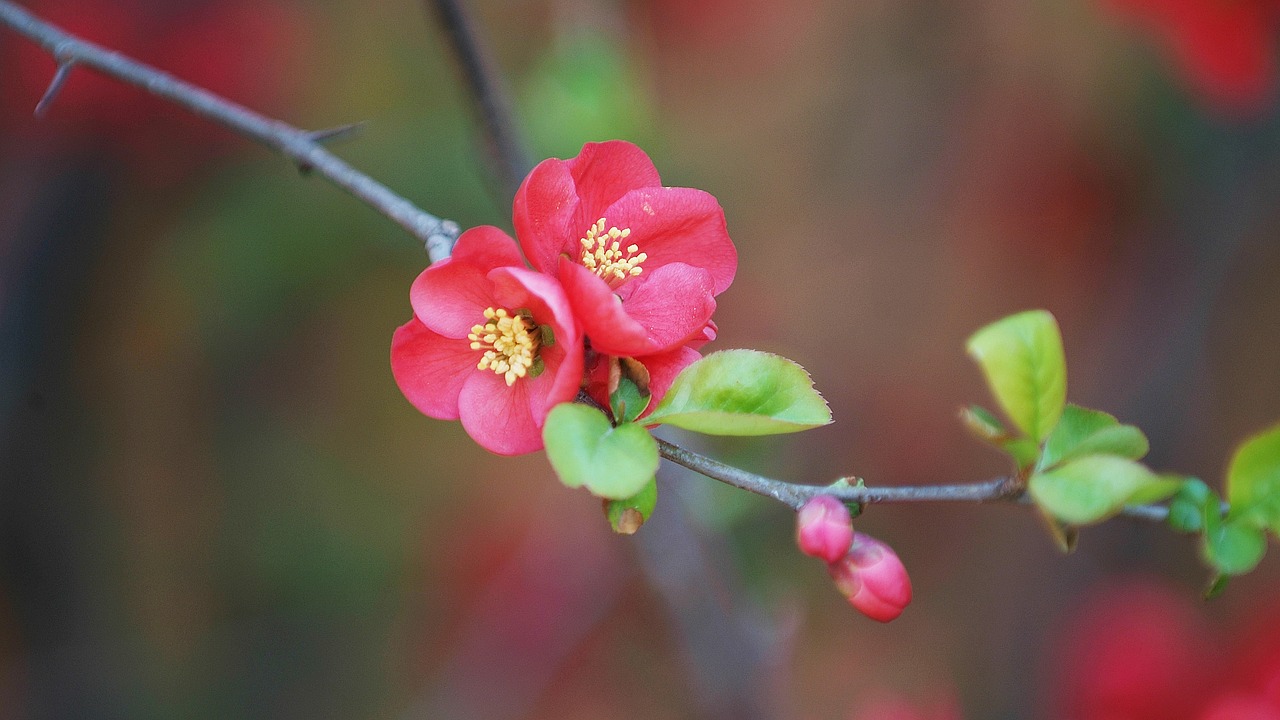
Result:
{"points": [[731, 392], [1081, 466]]}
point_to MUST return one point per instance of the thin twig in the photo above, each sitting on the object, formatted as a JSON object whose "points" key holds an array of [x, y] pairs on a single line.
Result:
{"points": [[794, 495], [436, 233], [506, 147]]}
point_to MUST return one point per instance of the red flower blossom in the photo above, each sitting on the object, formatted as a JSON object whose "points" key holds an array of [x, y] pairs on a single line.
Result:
{"points": [[640, 263], [491, 342]]}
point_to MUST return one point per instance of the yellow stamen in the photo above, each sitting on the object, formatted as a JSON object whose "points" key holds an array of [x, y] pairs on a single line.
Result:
{"points": [[510, 344], [603, 254]]}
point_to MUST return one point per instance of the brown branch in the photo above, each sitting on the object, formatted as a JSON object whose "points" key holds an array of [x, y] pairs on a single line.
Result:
{"points": [[300, 146], [794, 495], [507, 149]]}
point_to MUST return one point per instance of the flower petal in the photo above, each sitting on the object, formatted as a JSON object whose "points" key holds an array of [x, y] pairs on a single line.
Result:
{"points": [[451, 296], [520, 288], [543, 213], [604, 172], [673, 303], [486, 247], [600, 311], [559, 381], [663, 369], [707, 334], [431, 369], [560, 199], [543, 296], [497, 416], [650, 314], [678, 225]]}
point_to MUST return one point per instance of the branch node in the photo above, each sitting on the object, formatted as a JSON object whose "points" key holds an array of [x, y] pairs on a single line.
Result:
{"points": [[55, 86], [440, 242]]}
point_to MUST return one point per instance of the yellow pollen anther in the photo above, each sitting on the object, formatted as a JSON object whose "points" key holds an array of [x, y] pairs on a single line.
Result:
{"points": [[510, 344], [602, 253]]}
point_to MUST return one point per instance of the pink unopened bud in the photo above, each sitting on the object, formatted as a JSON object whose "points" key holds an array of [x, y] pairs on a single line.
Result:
{"points": [[873, 579], [824, 528]]}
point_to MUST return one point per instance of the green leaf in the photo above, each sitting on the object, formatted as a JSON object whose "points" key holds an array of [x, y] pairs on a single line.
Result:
{"points": [[742, 392], [1024, 451], [1217, 584], [586, 450], [1064, 536], [628, 402], [626, 516], [1091, 488], [984, 426], [1081, 432], [1162, 488], [1022, 359], [1187, 508], [1253, 479], [1233, 547]]}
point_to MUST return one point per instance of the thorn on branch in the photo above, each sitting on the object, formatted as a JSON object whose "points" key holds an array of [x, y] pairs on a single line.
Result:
{"points": [[341, 132], [55, 86], [336, 133]]}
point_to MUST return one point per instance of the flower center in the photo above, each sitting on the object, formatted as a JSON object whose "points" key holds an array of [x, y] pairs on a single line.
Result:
{"points": [[603, 254], [510, 343]]}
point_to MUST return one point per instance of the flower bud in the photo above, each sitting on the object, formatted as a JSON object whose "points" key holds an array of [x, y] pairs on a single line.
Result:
{"points": [[824, 528], [873, 578]]}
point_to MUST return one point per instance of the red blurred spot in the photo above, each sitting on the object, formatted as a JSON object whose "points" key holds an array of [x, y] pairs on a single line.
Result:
{"points": [[1241, 707], [1225, 49], [1136, 651]]}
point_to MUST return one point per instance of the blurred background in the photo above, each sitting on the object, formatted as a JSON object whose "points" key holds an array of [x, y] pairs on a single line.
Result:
{"points": [[215, 503]]}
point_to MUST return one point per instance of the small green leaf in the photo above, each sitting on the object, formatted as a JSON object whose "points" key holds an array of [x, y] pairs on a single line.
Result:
{"points": [[1162, 488], [1024, 451], [984, 426], [1081, 432], [626, 516], [1091, 488], [1187, 508], [1022, 359], [742, 392], [1217, 584], [586, 450], [628, 402], [1253, 479], [1234, 547], [1064, 536]]}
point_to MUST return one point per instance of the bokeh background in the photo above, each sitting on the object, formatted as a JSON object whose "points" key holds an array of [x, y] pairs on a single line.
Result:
{"points": [[214, 503]]}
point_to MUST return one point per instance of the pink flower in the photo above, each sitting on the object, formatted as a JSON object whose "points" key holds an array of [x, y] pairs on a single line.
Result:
{"points": [[491, 342], [824, 528], [873, 579], [640, 263]]}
